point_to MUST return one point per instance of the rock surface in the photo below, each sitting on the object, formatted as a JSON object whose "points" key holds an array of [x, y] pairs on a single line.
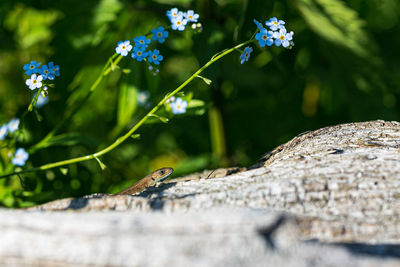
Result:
{"points": [[324, 198]]}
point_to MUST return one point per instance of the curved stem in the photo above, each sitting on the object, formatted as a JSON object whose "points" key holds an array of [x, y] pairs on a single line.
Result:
{"points": [[137, 125], [109, 66]]}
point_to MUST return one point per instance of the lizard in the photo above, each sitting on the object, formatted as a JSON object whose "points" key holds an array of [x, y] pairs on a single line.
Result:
{"points": [[149, 180]]}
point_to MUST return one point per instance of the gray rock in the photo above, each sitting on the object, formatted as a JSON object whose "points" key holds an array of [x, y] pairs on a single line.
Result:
{"points": [[326, 198]]}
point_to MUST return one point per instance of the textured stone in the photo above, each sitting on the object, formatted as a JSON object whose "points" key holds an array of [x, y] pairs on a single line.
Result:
{"points": [[340, 187]]}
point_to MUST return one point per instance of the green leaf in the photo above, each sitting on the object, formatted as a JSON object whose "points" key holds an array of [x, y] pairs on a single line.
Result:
{"points": [[31, 26], [127, 103], [163, 119], [207, 81], [102, 165], [64, 171], [334, 21], [135, 136]]}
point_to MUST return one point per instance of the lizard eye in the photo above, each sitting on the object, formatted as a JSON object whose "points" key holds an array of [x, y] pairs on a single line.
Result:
{"points": [[162, 172]]}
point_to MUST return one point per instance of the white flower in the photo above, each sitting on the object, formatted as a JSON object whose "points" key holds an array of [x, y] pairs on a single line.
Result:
{"points": [[34, 82], [13, 125], [178, 23], [3, 131], [123, 48], [191, 16], [179, 106], [142, 97], [282, 38], [20, 157]]}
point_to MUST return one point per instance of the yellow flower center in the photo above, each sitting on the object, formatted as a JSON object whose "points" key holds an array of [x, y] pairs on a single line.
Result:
{"points": [[159, 34], [139, 53], [123, 47], [275, 22], [31, 67], [154, 57], [282, 37], [265, 37], [34, 81]]}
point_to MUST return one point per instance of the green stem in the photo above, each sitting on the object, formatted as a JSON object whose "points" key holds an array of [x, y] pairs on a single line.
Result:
{"points": [[134, 128], [109, 66]]}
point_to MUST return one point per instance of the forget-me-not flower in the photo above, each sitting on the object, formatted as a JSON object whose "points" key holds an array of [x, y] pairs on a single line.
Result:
{"points": [[55, 68], [3, 131], [282, 38], [264, 37], [142, 97], [141, 41], [31, 68], [159, 34], [46, 72], [246, 54], [259, 25], [191, 16], [179, 106], [178, 23], [20, 157], [173, 13], [274, 24], [34, 82], [139, 53], [13, 125], [154, 57], [123, 48]]}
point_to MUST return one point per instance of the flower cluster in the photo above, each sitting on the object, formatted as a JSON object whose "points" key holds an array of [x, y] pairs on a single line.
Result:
{"points": [[277, 34], [20, 156], [139, 51], [39, 73], [139, 47], [9, 127], [180, 19]]}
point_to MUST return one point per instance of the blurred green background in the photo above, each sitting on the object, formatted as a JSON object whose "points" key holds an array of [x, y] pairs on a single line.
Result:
{"points": [[344, 68]]}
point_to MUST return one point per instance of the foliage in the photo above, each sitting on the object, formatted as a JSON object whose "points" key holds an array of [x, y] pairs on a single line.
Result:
{"points": [[342, 69]]}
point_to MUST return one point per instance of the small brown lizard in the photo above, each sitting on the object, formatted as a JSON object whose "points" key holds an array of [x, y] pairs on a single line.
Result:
{"points": [[150, 180]]}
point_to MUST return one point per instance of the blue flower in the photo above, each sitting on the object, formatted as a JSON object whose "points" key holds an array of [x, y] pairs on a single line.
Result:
{"points": [[159, 34], [191, 16], [259, 25], [282, 38], [55, 68], [123, 48], [142, 97], [139, 53], [13, 125], [246, 54], [3, 131], [46, 72], [275, 24], [173, 13], [154, 57], [20, 157], [178, 23], [141, 41], [31, 67], [179, 106], [264, 37], [34, 82]]}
